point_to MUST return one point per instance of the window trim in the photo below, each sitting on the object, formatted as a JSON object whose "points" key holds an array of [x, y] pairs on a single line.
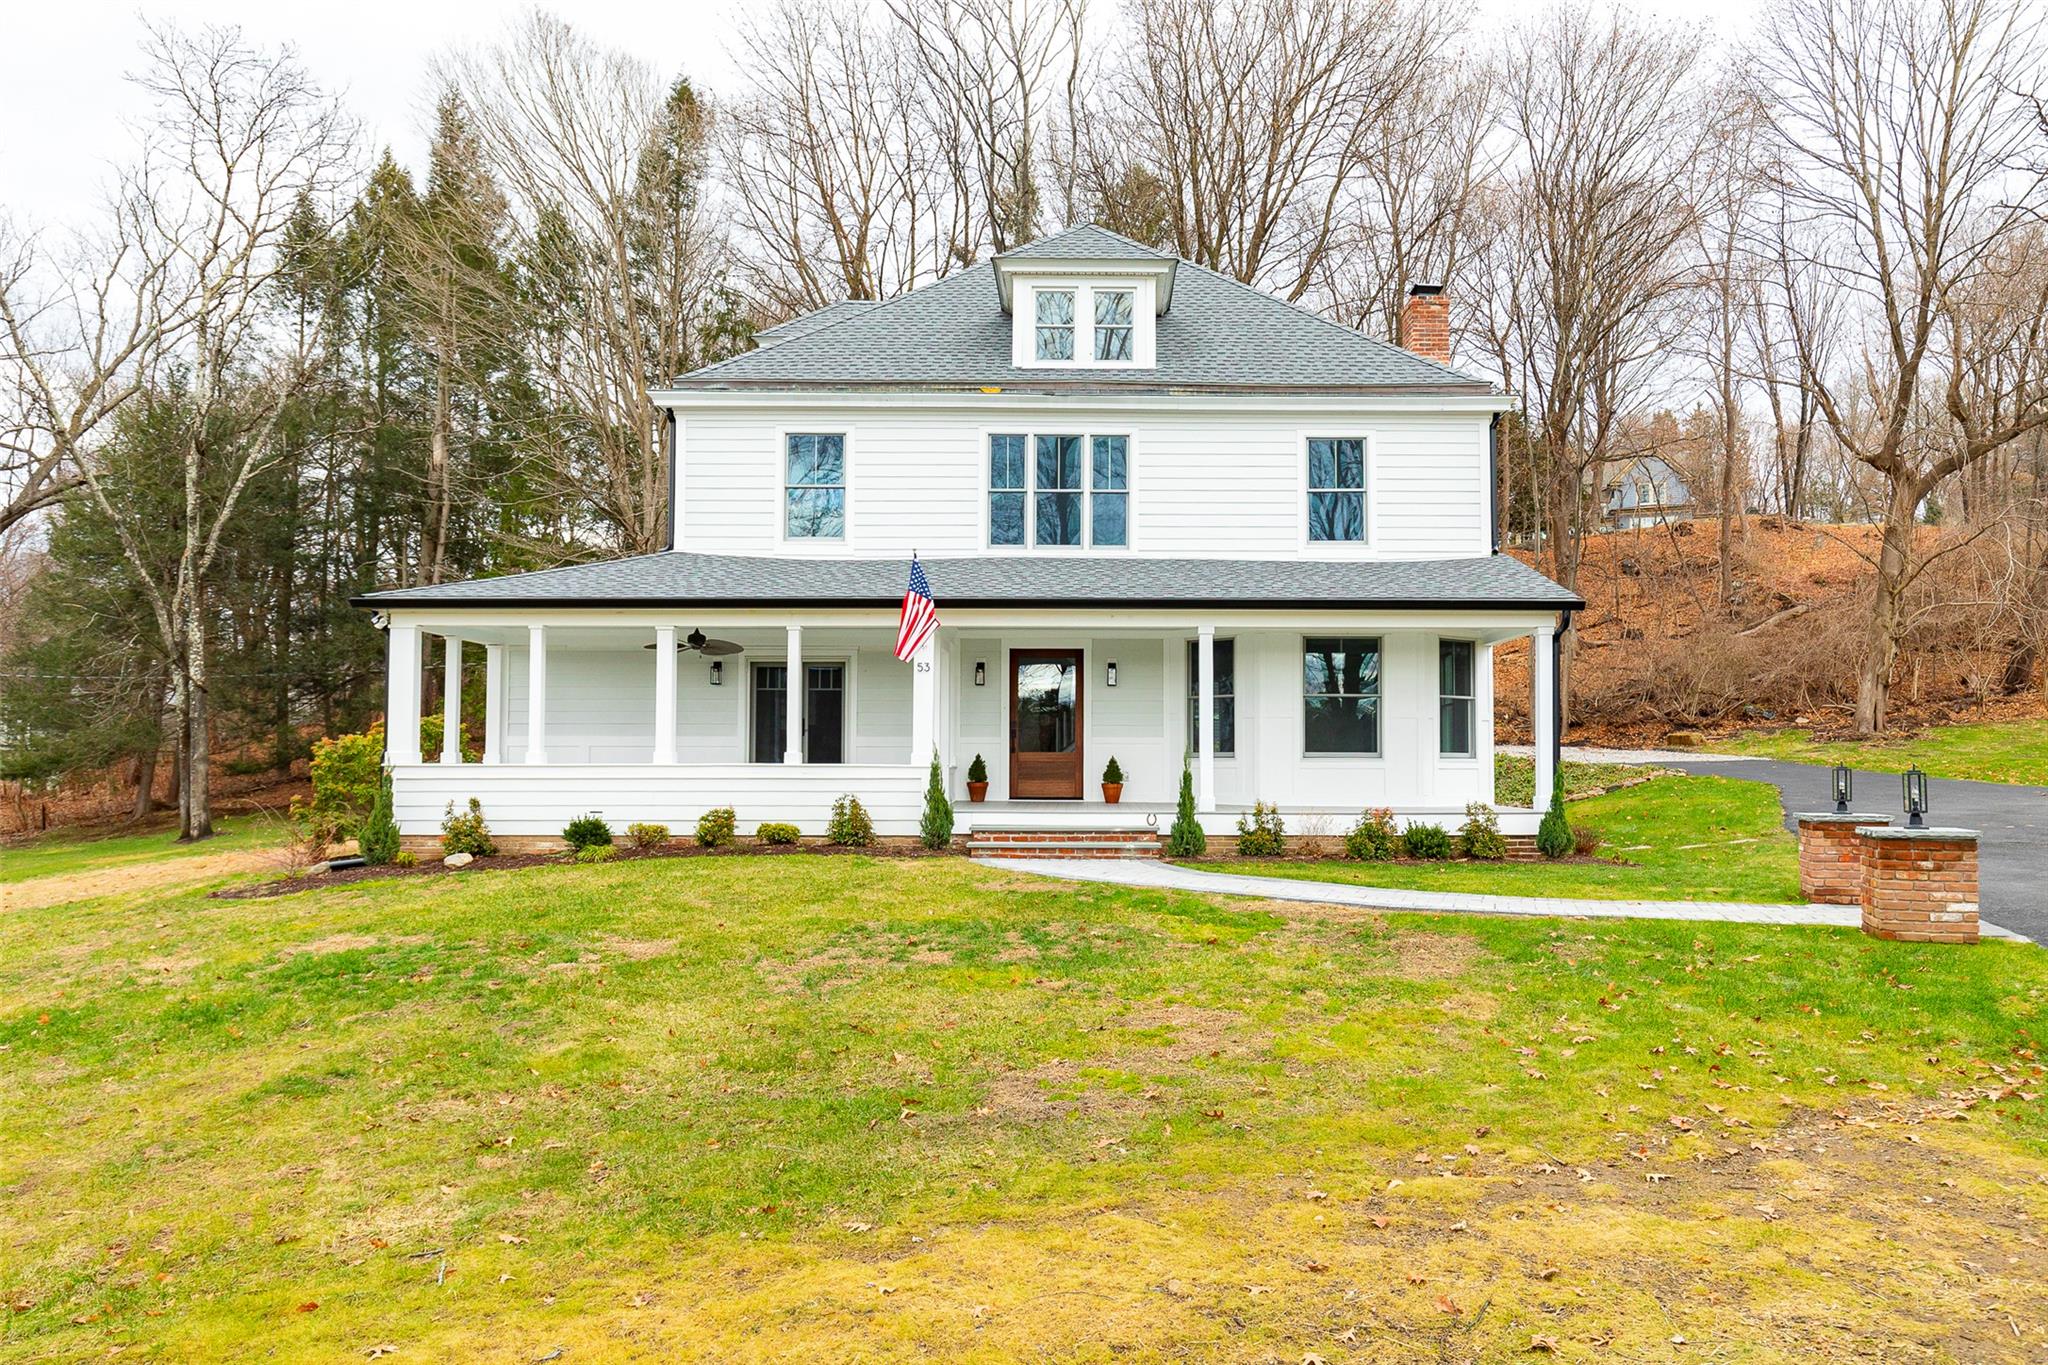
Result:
{"points": [[1378, 753], [1193, 658], [1471, 753], [783, 485], [1031, 433], [1369, 537], [1084, 286]]}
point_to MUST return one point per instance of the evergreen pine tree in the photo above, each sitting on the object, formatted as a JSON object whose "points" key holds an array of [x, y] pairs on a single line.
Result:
{"points": [[1554, 836], [378, 839], [936, 829], [1186, 839]]}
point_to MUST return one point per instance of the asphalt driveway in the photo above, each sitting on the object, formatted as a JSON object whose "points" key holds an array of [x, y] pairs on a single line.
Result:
{"points": [[2013, 820]]}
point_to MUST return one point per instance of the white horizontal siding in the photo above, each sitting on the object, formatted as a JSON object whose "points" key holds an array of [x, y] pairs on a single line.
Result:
{"points": [[541, 800], [1213, 484]]}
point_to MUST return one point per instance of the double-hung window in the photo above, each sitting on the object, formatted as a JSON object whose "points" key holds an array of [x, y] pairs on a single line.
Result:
{"points": [[1226, 696], [1113, 324], [1340, 685], [814, 487], [1336, 488], [1055, 321], [1057, 491], [1110, 490], [1454, 697]]}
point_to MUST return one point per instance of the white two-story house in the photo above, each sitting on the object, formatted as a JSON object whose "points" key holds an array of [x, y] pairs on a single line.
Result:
{"points": [[1163, 516]]}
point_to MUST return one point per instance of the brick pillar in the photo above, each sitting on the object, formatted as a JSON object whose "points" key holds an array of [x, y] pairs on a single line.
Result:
{"points": [[1920, 884], [1831, 856]]}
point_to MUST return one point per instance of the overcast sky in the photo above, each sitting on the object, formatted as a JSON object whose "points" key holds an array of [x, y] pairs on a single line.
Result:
{"points": [[64, 102]]}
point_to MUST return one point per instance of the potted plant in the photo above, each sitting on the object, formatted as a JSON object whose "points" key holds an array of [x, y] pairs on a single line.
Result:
{"points": [[977, 780], [1113, 781]]}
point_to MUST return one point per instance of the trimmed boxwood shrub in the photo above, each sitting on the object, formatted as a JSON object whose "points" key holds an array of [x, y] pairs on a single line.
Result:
{"points": [[715, 827], [850, 826], [1428, 842], [1373, 839], [1480, 835], [587, 831], [467, 833], [1261, 833], [774, 833]]}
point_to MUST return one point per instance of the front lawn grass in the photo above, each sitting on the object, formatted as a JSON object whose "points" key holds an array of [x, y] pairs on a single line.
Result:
{"points": [[2005, 751], [63, 852], [1672, 838], [848, 1108], [1514, 778]]}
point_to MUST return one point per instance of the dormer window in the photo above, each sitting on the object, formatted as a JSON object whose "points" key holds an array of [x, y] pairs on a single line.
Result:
{"points": [[1112, 324], [1055, 314]]}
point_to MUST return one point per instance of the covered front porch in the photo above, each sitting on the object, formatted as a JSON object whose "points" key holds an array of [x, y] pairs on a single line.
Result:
{"points": [[628, 713]]}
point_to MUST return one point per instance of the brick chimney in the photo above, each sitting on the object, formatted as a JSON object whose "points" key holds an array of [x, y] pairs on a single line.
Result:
{"points": [[1426, 322]]}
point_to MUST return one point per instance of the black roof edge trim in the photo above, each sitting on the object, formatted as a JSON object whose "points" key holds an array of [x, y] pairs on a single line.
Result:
{"points": [[376, 601]]}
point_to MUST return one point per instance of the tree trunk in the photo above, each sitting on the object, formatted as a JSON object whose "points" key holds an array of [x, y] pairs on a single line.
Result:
{"points": [[1887, 613], [198, 745], [145, 783]]}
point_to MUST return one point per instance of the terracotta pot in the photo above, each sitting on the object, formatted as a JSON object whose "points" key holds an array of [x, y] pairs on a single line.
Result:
{"points": [[977, 791], [1112, 792]]}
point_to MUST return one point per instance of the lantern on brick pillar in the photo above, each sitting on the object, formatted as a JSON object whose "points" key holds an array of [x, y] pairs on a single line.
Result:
{"points": [[1840, 782], [1915, 784]]}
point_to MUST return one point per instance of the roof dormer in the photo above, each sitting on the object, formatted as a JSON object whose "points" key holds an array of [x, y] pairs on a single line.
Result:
{"points": [[1084, 299]]}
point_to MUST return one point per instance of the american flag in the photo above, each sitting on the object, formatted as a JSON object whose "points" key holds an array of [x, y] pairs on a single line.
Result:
{"points": [[920, 618]]}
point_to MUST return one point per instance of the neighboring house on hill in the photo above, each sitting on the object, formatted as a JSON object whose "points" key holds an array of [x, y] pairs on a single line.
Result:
{"points": [[1142, 493], [1645, 491]]}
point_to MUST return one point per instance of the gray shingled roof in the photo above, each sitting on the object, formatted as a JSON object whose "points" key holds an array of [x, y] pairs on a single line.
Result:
{"points": [[678, 578], [1219, 335], [807, 323]]}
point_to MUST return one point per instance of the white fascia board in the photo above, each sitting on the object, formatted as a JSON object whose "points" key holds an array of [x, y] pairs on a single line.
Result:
{"points": [[994, 399], [487, 624]]}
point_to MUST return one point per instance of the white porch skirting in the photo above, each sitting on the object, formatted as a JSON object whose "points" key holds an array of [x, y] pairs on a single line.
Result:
{"points": [[540, 799]]}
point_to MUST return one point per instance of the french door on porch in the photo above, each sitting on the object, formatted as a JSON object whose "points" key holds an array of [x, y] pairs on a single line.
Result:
{"points": [[1045, 724], [824, 737]]}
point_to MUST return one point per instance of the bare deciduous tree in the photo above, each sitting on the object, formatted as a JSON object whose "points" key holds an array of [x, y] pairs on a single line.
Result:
{"points": [[602, 164], [1901, 127]]}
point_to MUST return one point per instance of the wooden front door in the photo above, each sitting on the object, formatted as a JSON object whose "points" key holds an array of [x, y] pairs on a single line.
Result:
{"points": [[1045, 724]]}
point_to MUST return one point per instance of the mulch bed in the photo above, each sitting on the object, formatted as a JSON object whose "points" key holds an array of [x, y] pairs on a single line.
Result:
{"points": [[504, 862], [1239, 860]]}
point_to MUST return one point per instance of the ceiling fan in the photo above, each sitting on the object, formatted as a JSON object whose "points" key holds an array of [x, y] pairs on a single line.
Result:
{"points": [[695, 642]]}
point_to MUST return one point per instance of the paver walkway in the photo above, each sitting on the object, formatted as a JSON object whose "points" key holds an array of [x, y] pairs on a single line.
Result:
{"points": [[1171, 876]]}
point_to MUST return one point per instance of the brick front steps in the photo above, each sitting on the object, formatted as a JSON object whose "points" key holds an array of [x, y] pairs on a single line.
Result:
{"points": [[1050, 843]]}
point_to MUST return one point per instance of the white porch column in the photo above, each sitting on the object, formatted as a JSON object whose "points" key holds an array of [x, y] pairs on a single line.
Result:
{"points": [[1542, 710], [924, 700], [402, 697], [536, 694], [451, 699], [494, 703], [664, 694], [1205, 719], [793, 697]]}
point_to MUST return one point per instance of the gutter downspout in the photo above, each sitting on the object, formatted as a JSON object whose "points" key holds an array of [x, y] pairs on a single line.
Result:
{"points": [[1493, 481], [1564, 626], [668, 439]]}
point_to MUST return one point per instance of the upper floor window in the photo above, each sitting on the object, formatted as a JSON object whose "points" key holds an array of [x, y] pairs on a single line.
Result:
{"points": [[1038, 495], [1055, 319], [1454, 697], [1340, 686], [1113, 312], [814, 486], [1336, 488]]}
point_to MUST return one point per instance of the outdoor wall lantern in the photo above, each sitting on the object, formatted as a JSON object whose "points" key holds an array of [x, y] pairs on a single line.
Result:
{"points": [[717, 672], [1915, 783], [1841, 783], [1112, 672], [980, 673]]}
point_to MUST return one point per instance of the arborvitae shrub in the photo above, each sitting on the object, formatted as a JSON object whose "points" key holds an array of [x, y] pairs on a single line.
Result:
{"points": [[1186, 839], [377, 840]]}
